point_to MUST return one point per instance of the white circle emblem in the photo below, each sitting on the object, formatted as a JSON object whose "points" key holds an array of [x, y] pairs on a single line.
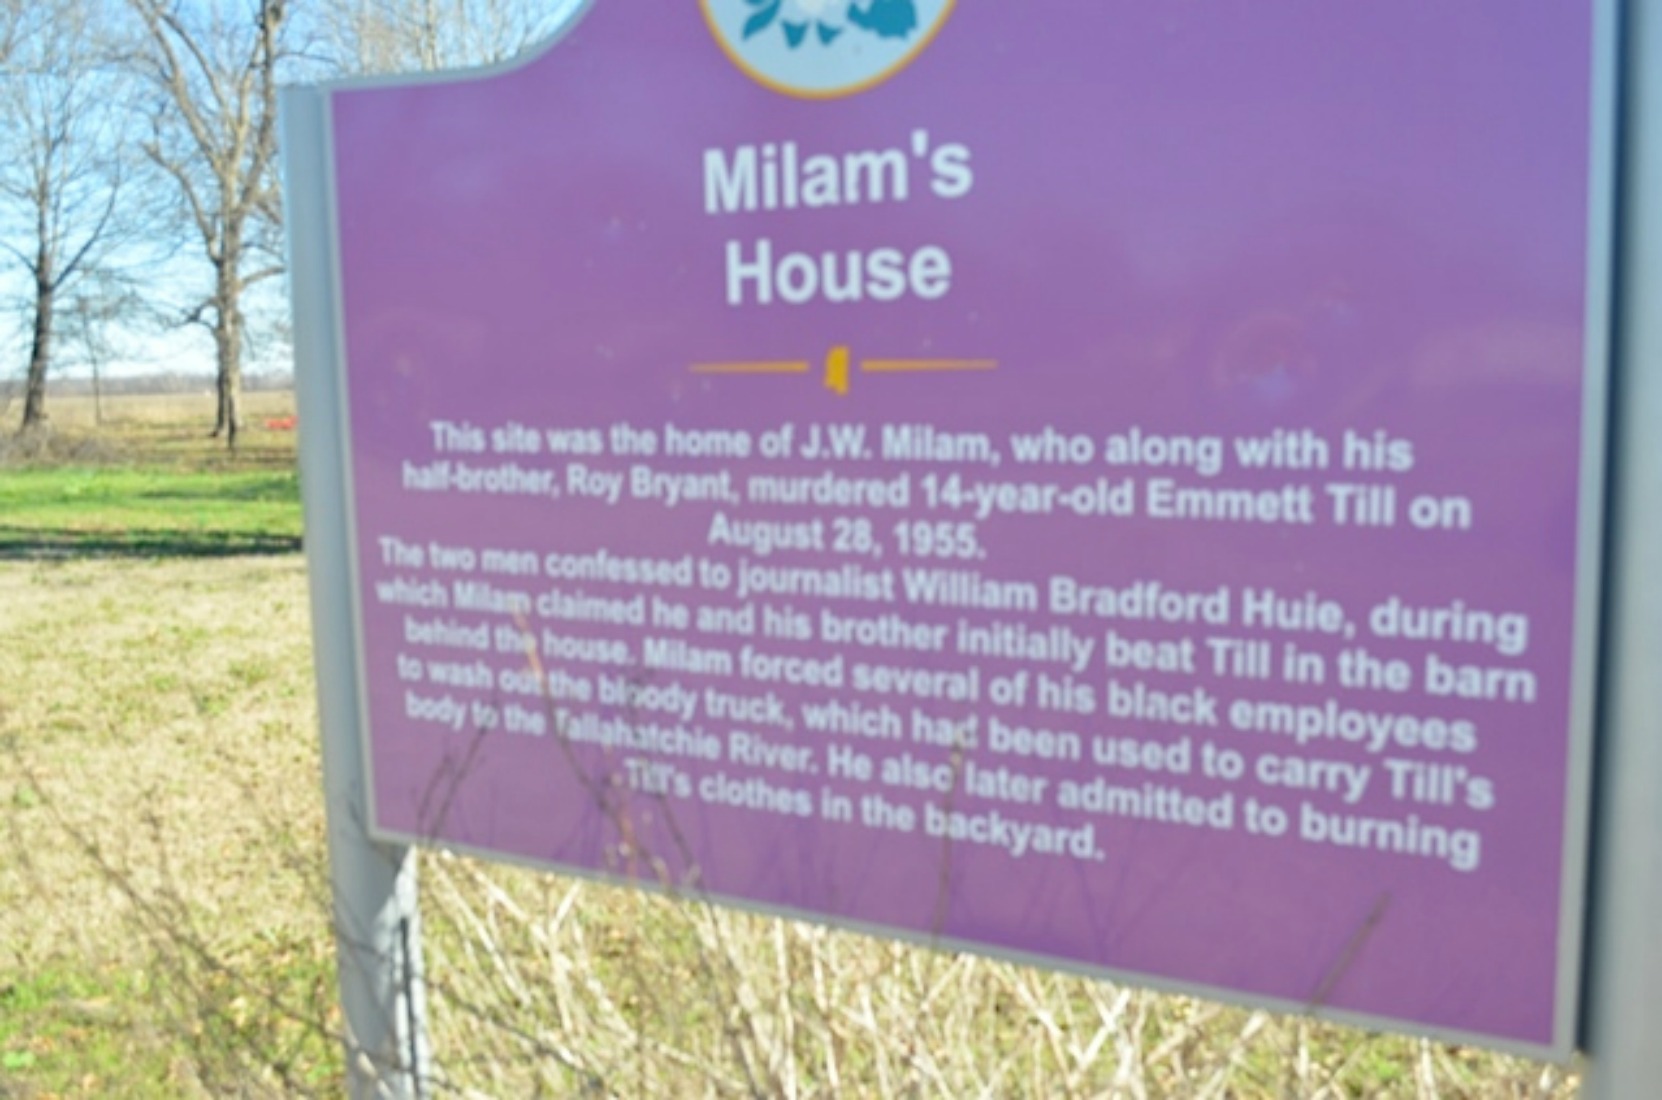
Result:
{"points": [[821, 49]]}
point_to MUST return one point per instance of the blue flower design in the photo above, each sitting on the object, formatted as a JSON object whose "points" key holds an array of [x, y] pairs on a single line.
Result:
{"points": [[886, 18], [827, 19]]}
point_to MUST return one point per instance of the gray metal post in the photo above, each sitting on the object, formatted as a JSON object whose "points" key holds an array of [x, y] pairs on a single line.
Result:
{"points": [[376, 911], [1624, 1019]]}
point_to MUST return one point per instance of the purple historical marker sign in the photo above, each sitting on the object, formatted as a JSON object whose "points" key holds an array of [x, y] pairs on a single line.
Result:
{"points": [[1106, 485]]}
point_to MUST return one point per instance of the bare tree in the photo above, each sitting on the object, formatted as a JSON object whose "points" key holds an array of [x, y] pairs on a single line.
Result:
{"points": [[215, 67], [380, 36], [101, 310], [61, 167]]}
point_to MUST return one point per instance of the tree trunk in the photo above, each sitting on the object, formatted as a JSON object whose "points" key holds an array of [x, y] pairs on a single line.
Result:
{"points": [[229, 381], [228, 350], [40, 354]]}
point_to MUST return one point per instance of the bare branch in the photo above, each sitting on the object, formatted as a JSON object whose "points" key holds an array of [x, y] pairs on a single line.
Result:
{"points": [[262, 274]]}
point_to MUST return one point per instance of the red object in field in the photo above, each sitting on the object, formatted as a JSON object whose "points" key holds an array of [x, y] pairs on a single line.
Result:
{"points": [[281, 423]]}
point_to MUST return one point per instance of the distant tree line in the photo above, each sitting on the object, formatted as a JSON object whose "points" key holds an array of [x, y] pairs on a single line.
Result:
{"points": [[138, 163], [156, 382]]}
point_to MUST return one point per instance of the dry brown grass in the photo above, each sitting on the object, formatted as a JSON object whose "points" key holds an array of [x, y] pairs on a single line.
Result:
{"points": [[170, 429], [153, 690], [173, 410], [160, 795]]}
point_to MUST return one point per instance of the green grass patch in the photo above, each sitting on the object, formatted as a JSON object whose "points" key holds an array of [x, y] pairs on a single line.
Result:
{"points": [[71, 1031], [267, 1016], [147, 511]]}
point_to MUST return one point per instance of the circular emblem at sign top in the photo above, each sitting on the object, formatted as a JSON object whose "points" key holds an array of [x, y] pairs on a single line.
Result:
{"points": [[822, 49]]}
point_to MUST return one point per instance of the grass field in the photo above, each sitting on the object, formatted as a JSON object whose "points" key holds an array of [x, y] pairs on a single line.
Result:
{"points": [[159, 783], [164, 920]]}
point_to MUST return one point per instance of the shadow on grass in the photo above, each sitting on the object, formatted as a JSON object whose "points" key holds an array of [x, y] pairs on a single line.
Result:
{"points": [[38, 543], [255, 487]]}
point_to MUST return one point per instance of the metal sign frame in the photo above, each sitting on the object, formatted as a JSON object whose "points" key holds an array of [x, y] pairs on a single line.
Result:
{"points": [[373, 870]]}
